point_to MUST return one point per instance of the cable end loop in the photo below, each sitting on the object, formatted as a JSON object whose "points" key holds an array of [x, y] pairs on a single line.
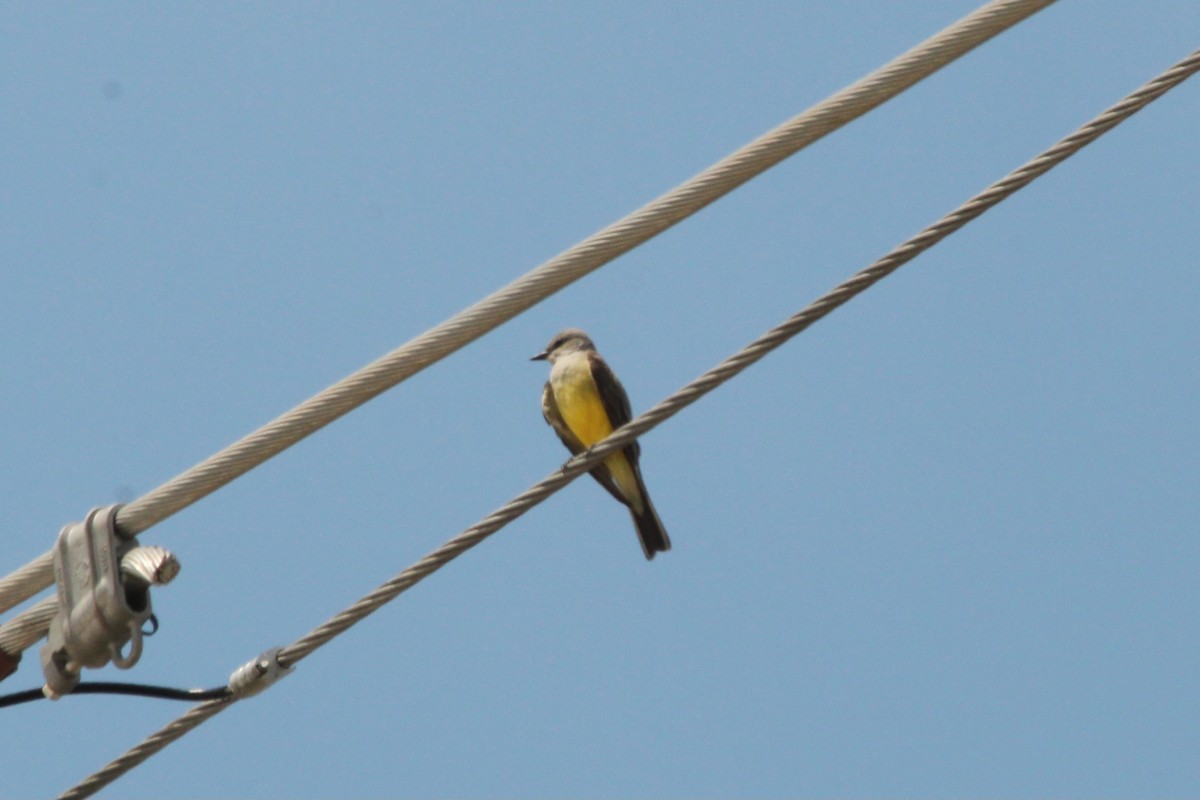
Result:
{"points": [[149, 565], [257, 675]]}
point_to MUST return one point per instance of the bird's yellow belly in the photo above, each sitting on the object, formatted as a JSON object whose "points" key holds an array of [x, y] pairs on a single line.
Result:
{"points": [[582, 409]]}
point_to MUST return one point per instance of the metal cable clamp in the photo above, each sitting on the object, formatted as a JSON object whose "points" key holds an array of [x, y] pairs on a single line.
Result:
{"points": [[103, 582]]}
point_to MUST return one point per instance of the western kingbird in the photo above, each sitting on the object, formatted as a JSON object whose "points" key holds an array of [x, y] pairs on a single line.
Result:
{"points": [[584, 402]]}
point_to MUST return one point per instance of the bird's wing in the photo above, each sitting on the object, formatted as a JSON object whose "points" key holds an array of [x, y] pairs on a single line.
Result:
{"points": [[615, 400]]}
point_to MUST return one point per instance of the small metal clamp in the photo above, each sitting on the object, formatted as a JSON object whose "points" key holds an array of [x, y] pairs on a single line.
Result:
{"points": [[254, 676], [98, 614]]}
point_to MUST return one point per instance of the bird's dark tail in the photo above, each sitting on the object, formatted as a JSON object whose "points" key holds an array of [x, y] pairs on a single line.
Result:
{"points": [[650, 530]]}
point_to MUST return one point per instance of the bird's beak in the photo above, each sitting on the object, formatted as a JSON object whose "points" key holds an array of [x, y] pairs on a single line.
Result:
{"points": [[542, 356]]}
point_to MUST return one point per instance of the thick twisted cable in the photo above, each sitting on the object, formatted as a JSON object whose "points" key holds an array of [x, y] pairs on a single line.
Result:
{"points": [[693, 391], [27, 581], [23, 631], [569, 266]]}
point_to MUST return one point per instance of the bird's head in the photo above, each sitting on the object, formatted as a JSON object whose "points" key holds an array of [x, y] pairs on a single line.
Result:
{"points": [[567, 341]]}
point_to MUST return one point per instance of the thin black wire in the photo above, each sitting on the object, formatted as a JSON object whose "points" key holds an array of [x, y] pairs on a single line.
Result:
{"points": [[131, 689]]}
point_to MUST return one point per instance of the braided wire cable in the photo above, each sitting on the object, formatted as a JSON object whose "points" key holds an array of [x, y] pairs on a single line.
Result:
{"points": [[727, 369], [736, 363], [533, 287], [184, 723], [27, 581], [23, 631]]}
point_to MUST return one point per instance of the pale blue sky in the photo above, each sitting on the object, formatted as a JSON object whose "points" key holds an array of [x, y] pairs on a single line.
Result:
{"points": [[943, 544]]}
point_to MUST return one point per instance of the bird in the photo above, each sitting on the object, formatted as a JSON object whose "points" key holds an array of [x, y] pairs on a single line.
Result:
{"points": [[584, 402]]}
